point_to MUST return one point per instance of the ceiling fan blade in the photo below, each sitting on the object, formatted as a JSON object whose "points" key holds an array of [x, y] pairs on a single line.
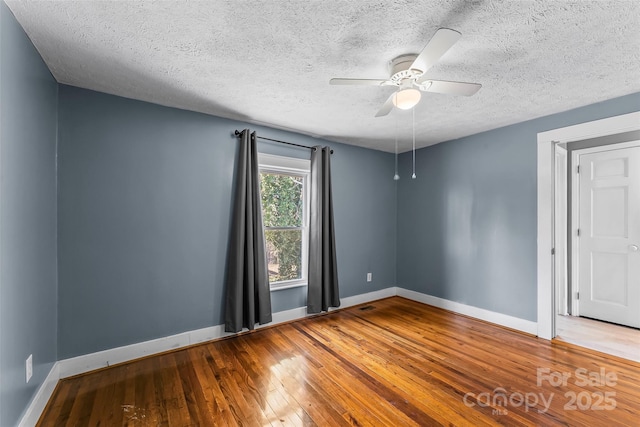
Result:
{"points": [[441, 42], [450, 88], [386, 107], [367, 82]]}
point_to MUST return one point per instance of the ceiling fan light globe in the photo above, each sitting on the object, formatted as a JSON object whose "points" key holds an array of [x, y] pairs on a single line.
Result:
{"points": [[406, 98]]}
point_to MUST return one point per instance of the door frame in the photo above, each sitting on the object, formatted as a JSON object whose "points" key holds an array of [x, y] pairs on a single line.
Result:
{"points": [[575, 215], [560, 225], [546, 183]]}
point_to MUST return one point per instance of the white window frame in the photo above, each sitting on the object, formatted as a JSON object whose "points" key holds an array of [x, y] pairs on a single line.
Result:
{"points": [[297, 167]]}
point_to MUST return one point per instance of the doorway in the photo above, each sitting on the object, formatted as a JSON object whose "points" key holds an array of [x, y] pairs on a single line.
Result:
{"points": [[555, 296], [599, 303], [596, 238]]}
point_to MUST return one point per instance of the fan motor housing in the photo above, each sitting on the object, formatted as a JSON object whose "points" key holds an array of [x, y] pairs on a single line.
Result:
{"points": [[400, 69]]}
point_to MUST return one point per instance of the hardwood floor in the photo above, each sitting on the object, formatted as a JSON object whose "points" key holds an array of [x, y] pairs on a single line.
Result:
{"points": [[392, 362], [606, 337]]}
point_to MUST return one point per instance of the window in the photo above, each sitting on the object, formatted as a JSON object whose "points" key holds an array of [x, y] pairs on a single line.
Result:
{"points": [[285, 216]]}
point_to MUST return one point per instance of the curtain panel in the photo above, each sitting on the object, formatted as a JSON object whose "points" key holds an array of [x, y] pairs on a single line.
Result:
{"points": [[248, 297], [322, 291]]}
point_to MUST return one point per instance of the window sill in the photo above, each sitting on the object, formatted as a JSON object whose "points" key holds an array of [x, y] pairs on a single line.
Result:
{"points": [[289, 286]]}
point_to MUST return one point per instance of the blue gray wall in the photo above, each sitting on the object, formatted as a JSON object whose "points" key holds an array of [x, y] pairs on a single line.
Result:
{"points": [[144, 211], [467, 224], [28, 309]]}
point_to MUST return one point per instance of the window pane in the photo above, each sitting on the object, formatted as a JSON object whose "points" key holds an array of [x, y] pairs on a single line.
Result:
{"points": [[281, 199], [284, 254]]}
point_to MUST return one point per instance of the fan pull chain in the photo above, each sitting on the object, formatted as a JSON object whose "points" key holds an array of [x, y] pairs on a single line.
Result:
{"points": [[396, 176], [413, 114]]}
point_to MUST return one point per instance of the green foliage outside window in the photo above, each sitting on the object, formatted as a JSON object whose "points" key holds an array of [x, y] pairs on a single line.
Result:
{"points": [[282, 209]]}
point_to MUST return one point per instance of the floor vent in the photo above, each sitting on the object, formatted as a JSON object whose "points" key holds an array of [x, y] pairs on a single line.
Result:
{"points": [[366, 307]]}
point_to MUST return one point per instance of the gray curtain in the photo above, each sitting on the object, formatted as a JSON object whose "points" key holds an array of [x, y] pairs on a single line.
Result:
{"points": [[248, 299], [322, 291]]}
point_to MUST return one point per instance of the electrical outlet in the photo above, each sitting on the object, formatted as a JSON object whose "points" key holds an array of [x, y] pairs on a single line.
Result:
{"points": [[369, 277], [29, 367]]}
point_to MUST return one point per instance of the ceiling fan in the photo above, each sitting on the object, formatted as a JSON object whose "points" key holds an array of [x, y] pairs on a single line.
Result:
{"points": [[408, 74]]}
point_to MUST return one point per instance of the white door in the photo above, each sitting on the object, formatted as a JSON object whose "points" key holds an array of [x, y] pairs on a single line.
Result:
{"points": [[609, 234]]}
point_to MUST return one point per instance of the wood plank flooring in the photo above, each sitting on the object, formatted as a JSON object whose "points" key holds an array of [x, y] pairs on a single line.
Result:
{"points": [[393, 362], [616, 340]]}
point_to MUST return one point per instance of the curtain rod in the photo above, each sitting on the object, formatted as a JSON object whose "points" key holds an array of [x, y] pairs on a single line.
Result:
{"points": [[281, 142]]}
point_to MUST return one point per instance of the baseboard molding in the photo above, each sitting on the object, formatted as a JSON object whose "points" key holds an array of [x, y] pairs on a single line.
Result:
{"points": [[41, 398], [368, 297], [89, 362], [516, 323], [101, 359]]}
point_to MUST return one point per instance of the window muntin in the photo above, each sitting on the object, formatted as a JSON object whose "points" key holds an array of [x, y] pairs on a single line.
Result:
{"points": [[284, 197]]}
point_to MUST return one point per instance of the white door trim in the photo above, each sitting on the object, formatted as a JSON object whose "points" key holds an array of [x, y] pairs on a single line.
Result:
{"points": [[560, 229], [546, 183]]}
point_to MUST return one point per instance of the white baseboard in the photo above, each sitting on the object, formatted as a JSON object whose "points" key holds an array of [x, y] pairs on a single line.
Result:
{"points": [[368, 297], [469, 310], [286, 316], [101, 359], [42, 396]]}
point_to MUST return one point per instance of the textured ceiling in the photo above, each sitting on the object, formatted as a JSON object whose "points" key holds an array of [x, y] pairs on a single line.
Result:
{"points": [[269, 62]]}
